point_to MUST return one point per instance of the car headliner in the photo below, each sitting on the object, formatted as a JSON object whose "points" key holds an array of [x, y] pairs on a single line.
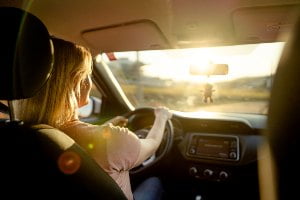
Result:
{"points": [[118, 25]]}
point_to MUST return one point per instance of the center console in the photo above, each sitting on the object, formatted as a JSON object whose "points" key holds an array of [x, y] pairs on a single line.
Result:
{"points": [[212, 148]]}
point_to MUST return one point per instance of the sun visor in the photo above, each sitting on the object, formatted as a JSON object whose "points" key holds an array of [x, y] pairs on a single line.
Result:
{"points": [[138, 35], [264, 24]]}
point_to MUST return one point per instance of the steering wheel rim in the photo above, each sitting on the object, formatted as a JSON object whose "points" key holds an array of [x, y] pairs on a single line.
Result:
{"points": [[168, 135]]}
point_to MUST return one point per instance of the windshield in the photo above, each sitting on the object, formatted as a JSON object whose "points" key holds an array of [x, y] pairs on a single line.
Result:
{"points": [[167, 78]]}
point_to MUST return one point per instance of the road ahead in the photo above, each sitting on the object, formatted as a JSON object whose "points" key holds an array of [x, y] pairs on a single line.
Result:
{"points": [[260, 107]]}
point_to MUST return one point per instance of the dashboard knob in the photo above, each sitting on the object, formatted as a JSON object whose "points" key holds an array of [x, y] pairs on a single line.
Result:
{"points": [[208, 172], [192, 150], [223, 175], [232, 155], [193, 171]]}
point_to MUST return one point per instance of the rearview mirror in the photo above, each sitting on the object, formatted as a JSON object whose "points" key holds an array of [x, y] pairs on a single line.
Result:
{"points": [[212, 69]]}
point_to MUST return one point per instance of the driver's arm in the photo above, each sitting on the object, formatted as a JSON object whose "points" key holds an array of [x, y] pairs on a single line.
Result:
{"points": [[151, 143]]}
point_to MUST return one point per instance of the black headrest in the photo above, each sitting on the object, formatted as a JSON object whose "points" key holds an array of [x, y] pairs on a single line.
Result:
{"points": [[26, 54], [284, 118]]}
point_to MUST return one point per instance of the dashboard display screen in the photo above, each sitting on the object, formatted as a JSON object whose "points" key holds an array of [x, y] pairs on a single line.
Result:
{"points": [[216, 147], [219, 147]]}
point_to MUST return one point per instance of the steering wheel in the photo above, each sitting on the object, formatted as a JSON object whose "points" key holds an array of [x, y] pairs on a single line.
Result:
{"points": [[142, 132]]}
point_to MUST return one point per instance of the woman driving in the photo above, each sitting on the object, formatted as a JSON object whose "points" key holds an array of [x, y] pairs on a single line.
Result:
{"points": [[116, 149]]}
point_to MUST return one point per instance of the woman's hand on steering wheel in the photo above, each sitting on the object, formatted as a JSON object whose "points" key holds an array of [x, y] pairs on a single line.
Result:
{"points": [[163, 112]]}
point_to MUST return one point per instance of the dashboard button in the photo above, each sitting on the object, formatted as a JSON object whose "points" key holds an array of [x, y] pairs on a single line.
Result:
{"points": [[193, 171], [232, 155], [192, 150], [223, 175], [208, 172]]}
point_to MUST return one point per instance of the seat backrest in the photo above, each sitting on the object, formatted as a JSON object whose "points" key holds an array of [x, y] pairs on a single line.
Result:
{"points": [[284, 120], [26, 54], [39, 162], [43, 162]]}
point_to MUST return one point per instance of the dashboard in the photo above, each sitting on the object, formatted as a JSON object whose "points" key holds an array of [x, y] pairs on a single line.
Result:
{"points": [[210, 152], [219, 147]]}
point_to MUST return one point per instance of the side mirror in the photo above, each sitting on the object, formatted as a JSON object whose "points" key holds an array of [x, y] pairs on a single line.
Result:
{"points": [[212, 69], [93, 107]]}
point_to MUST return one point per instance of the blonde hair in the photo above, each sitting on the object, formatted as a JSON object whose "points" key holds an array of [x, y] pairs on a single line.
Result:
{"points": [[56, 103]]}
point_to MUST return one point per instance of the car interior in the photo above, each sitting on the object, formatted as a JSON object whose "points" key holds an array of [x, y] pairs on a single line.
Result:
{"points": [[228, 71]]}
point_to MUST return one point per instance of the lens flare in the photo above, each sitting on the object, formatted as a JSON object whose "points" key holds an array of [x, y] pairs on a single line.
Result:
{"points": [[69, 162], [90, 146]]}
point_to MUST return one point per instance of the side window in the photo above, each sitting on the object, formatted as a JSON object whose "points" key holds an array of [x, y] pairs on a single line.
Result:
{"points": [[95, 92], [90, 112]]}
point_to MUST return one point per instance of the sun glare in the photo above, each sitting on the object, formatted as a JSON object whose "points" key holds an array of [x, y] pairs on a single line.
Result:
{"points": [[243, 61]]}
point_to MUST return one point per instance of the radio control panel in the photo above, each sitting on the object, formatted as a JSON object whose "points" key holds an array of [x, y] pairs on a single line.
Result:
{"points": [[214, 147]]}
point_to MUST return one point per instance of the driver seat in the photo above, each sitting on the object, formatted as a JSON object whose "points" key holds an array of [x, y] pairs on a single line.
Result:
{"points": [[40, 161]]}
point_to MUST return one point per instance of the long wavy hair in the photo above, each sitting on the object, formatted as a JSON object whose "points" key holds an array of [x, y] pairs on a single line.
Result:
{"points": [[57, 102]]}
